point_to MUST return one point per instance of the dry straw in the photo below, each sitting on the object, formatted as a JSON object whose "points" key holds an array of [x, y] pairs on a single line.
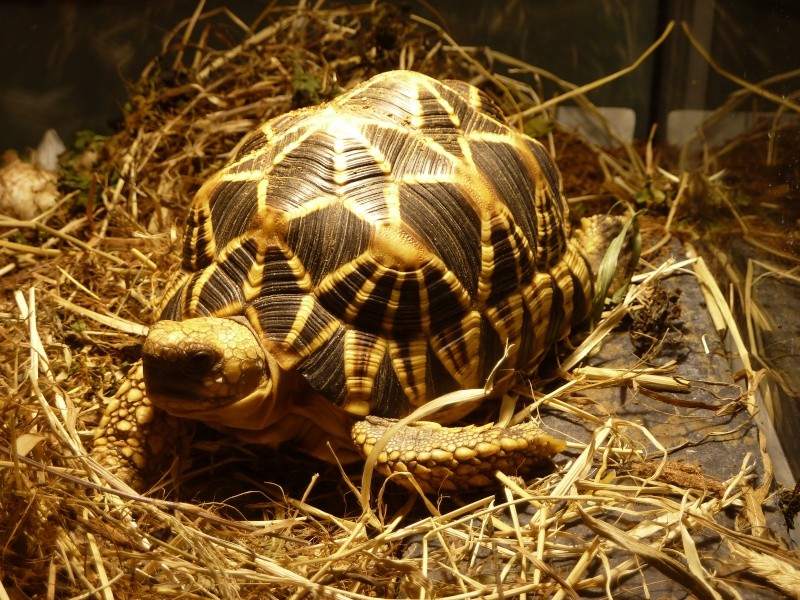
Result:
{"points": [[81, 281]]}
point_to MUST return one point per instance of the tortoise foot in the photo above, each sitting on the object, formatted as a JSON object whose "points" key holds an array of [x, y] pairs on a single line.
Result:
{"points": [[455, 458]]}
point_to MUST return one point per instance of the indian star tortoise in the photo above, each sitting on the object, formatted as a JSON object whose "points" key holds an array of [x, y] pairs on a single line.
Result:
{"points": [[354, 261]]}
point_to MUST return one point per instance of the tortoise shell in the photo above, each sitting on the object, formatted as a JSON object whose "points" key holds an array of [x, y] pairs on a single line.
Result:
{"points": [[388, 245]]}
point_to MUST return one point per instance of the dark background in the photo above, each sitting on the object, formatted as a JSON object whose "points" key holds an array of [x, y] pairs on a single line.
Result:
{"points": [[64, 63]]}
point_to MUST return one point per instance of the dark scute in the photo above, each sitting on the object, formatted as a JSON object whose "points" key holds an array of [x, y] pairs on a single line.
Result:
{"points": [[237, 264], [439, 379], [362, 348], [278, 277], [527, 341], [284, 127], [478, 121], [251, 164], [254, 141], [555, 322], [504, 275], [171, 310], [420, 159], [370, 198], [445, 134], [447, 223], [293, 184], [339, 297], [453, 346], [407, 316], [311, 166], [195, 243], [276, 314], [308, 172], [459, 90], [217, 293], [315, 325], [388, 399], [438, 123], [504, 168], [326, 239], [525, 258], [371, 315], [324, 369], [492, 349], [361, 166], [408, 154], [396, 146], [552, 215], [580, 303], [446, 305], [553, 241], [551, 174], [393, 102], [233, 204]]}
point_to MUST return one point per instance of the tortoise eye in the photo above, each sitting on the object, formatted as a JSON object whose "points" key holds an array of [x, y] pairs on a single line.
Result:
{"points": [[198, 362]]}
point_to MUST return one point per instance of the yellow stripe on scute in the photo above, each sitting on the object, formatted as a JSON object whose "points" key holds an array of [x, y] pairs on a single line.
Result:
{"points": [[391, 195], [296, 337], [563, 279], [234, 176], [477, 135], [538, 297], [434, 88], [262, 194], [457, 348], [251, 287], [506, 319], [198, 287], [311, 206], [295, 266], [410, 364], [487, 264], [363, 355], [303, 313]]}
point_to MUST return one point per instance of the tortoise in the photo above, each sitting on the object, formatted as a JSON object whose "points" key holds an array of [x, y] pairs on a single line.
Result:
{"points": [[354, 261]]}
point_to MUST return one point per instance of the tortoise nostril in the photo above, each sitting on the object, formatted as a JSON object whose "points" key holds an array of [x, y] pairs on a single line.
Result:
{"points": [[198, 362]]}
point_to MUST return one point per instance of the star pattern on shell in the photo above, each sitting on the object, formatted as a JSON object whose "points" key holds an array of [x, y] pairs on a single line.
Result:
{"points": [[385, 245]]}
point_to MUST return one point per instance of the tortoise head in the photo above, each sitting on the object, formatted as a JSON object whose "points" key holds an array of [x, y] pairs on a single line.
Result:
{"points": [[210, 369]]}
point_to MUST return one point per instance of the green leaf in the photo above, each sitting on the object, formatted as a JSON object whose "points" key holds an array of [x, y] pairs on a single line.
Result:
{"points": [[611, 264]]}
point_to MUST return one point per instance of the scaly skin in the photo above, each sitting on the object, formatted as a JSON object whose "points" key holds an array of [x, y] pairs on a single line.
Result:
{"points": [[456, 458], [132, 433]]}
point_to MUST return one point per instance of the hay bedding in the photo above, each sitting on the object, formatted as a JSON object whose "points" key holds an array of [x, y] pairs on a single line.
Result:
{"points": [[81, 279]]}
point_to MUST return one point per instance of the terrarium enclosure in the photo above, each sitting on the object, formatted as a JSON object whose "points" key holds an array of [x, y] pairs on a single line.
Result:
{"points": [[679, 409]]}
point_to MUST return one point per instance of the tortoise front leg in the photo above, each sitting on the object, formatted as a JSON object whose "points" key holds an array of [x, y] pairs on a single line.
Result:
{"points": [[132, 434], [456, 458]]}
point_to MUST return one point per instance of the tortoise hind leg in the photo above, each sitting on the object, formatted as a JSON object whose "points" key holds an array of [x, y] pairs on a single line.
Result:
{"points": [[132, 434], [456, 458]]}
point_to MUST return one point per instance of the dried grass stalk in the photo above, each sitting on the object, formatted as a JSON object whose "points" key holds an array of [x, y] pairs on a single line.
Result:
{"points": [[84, 277]]}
